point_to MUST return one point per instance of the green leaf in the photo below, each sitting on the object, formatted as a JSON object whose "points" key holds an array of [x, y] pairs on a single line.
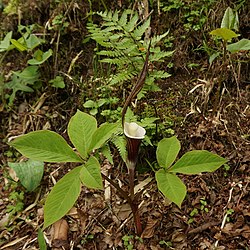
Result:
{"points": [[5, 43], [89, 104], [229, 20], [30, 173], [18, 45], [167, 151], [197, 161], [57, 82], [41, 240], [171, 186], [29, 75], [243, 44], [17, 84], [40, 57], [102, 134], [33, 41], [90, 174], [224, 33], [213, 57], [45, 146], [81, 128], [62, 197]]}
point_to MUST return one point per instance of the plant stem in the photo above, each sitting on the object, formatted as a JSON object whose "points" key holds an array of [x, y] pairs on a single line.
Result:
{"points": [[131, 174], [137, 218], [116, 186], [131, 201]]}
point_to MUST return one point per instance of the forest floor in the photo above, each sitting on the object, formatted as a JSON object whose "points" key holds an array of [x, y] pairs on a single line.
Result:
{"points": [[216, 212]]}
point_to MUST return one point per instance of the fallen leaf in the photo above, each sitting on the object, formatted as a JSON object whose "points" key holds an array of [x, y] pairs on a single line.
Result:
{"points": [[124, 211], [60, 234], [150, 229]]}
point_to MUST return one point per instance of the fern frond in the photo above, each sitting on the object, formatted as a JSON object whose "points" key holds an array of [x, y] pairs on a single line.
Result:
{"points": [[140, 30], [115, 17], [121, 37], [110, 53], [116, 61], [159, 74], [132, 23], [122, 76], [158, 38], [158, 54], [124, 18], [107, 153], [120, 144], [106, 15]]}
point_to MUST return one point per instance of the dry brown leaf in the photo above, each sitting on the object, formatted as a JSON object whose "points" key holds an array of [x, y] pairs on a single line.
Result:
{"points": [[246, 212], [83, 219], [108, 240], [124, 211], [178, 236], [142, 184], [4, 221], [246, 232], [14, 242], [60, 234], [150, 229], [228, 228]]}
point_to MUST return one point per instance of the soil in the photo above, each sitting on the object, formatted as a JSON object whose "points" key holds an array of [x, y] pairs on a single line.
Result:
{"points": [[216, 212]]}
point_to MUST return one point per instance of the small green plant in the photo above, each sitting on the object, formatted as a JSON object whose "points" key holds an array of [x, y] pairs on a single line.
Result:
{"points": [[199, 210], [193, 14], [87, 238], [128, 241], [95, 105], [22, 81], [229, 24], [192, 214], [27, 79], [17, 204], [226, 168], [229, 213], [59, 23], [166, 243], [57, 82], [203, 205]]}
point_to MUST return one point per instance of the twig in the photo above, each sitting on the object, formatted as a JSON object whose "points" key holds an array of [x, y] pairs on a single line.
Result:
{"points": [[116, 186]]}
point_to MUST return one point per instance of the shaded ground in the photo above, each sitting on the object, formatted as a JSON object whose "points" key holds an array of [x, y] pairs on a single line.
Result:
{"points": [[216, 211]]}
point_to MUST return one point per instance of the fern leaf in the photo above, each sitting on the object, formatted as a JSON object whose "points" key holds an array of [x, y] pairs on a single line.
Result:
{"points": [[110, 28], [132, 23], [158, 38], [110, 53], [125, 43], [106, 15], [157, 54], [107, 153], [140, 30], [120, 144], [116, 61], [115, 17], [159, 74], [122, 76], [123, 20]]}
